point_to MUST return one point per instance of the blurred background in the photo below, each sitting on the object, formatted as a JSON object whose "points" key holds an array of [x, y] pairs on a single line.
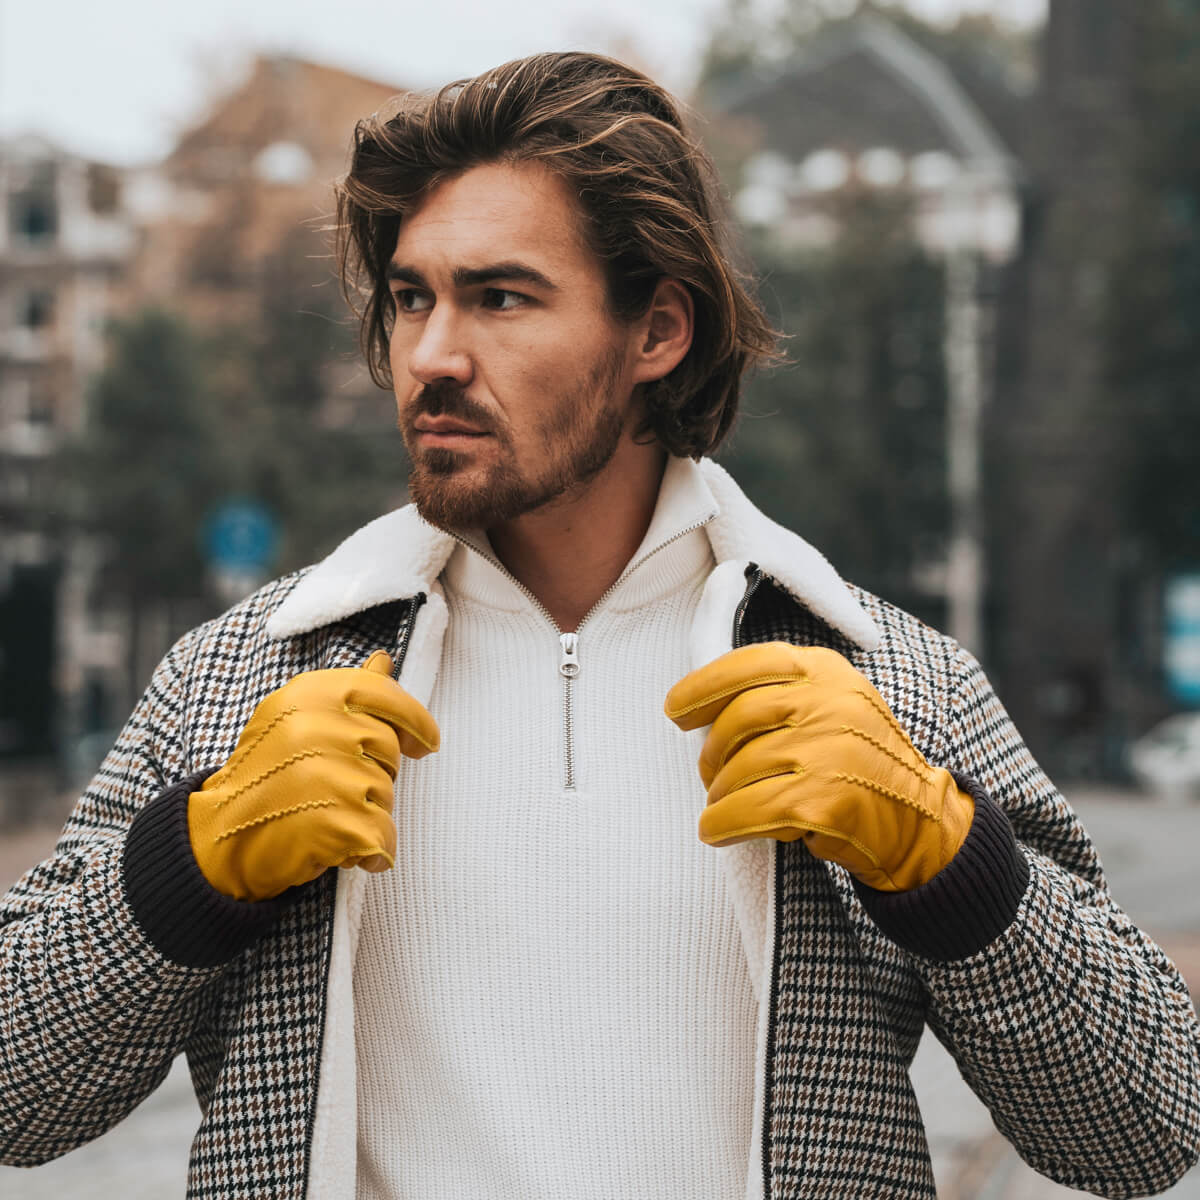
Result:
{"points": [[978, 224]]}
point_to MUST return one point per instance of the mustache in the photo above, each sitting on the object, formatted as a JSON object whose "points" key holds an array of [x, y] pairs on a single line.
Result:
{"points": [[444, 399]]}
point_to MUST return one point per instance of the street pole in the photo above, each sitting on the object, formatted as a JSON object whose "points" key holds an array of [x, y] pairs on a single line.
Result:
{"points": [[964, 407]]}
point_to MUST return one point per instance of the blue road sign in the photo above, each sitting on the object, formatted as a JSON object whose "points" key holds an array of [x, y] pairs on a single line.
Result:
{"points": [[242, 535], [1181, 637]]}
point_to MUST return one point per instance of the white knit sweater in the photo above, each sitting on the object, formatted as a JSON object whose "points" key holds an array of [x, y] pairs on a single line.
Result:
{"points": [[551, 994]]}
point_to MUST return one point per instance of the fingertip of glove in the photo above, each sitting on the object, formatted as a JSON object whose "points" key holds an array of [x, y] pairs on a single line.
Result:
{"points": [[379, 663], [377, 863]]}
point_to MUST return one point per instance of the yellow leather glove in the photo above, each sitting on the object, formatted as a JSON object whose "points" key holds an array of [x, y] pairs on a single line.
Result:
{"points": [[802, 746], [310, 783]]}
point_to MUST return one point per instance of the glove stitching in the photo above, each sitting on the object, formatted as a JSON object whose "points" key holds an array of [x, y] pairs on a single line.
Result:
{"points": [[862, 733], [886, 791], [886, 713], [734, 688], [274, 816], [279, 766], [243, 751]]}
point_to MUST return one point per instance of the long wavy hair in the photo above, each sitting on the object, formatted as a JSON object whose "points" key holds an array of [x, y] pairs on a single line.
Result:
{"points": [[648, 199]]}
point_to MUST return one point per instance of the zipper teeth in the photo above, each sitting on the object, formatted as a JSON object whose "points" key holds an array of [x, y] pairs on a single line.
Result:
{"points": [[568, 724], [568, 738]]}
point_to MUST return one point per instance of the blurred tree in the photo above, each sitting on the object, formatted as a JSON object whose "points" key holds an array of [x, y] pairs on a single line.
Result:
{"points": [[847, 443], [748, 34], [1153, 308], [302, 430], [183, 420], [148, 467], [149, 462]]}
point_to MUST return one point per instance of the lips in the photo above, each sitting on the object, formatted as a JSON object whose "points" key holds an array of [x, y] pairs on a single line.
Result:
{"points": [[447, 427]]}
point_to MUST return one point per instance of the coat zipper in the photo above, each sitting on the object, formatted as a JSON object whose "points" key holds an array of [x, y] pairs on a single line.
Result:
{"points": [[754, 578], [405, 638], [568, 661]]}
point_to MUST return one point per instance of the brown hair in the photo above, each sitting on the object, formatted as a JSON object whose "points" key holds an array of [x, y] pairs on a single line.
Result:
{"points": [[647, 192]]}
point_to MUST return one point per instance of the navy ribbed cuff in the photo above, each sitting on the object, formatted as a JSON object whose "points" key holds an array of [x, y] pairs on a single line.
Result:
{"points": [[185, 918], [970, 902]]}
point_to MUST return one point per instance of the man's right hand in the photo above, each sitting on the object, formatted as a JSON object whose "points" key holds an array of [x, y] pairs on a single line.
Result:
{"points": [[310, 785]]}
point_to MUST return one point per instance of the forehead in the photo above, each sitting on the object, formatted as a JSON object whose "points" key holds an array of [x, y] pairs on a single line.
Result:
{"points": [[498, 212]]}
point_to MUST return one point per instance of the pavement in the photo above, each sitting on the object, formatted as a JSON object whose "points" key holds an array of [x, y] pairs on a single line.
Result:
{"points": [[1149, 851]]}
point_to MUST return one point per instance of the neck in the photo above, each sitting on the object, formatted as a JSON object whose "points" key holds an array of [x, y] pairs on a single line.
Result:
{"points": [[570, 552]]}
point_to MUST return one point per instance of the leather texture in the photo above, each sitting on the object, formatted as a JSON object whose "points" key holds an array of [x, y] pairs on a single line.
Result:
{"points": [[803, 747], [310, 784]]}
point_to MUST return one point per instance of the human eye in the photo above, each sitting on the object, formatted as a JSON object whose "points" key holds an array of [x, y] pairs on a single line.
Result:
{"points": [[411, 300], [503, 300]]}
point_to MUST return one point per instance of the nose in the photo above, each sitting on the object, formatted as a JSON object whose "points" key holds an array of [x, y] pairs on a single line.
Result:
{"points": [[440, 352]]}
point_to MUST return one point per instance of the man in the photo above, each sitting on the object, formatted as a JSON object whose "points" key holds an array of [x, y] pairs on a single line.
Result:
{"points": [[541, 982]]}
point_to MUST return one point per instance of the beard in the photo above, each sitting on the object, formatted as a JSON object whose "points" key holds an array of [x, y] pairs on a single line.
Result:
{"points": [[572, 446]]}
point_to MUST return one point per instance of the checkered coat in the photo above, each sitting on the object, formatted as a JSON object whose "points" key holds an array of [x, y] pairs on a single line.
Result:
{"points": [[1074, 1028]]}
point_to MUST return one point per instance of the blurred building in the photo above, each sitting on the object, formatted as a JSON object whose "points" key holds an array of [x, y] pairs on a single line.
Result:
{"points": [[861, 103], [253, 176], [66, 238], [204, 234]]}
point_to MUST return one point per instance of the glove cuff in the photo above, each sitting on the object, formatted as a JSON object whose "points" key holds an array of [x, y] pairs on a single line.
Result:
{"points": [[970, 901], [184, 917]]}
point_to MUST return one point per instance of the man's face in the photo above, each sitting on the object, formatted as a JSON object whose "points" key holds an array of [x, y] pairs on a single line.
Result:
{"points": [[513, 383]]}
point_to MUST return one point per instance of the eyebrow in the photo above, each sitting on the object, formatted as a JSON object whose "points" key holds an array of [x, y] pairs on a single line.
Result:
{"points": [[464, 277]]}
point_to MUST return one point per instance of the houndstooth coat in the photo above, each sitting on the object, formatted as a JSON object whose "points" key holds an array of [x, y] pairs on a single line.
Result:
{"points": [[1074, 1029]]}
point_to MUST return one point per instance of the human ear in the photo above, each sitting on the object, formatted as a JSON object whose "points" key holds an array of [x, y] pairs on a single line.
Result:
{"points": [[664, 334]]}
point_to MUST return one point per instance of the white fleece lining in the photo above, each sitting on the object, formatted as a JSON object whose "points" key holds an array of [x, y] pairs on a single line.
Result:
{"points": [[395, 556], [399, 555], [749, 866], [333, 1164]]}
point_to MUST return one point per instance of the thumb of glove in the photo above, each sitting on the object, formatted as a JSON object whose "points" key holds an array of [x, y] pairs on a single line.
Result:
{"points": [[380, 662]]}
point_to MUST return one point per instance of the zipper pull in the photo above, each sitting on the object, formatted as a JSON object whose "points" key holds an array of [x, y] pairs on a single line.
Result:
{"points": [[568, 663]]}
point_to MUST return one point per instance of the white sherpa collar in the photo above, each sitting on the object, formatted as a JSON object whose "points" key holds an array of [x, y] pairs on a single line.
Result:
{"points": [[399, 554], [740, 532], [395, 556]]}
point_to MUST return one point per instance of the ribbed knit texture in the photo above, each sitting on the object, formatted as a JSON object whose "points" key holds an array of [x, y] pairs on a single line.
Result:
{"points": [[970, 901], [551, 995], [182, 914]]}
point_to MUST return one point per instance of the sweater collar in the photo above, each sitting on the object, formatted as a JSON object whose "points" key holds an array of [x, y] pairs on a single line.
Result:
{"points": [[399, 554], [673, 540]]}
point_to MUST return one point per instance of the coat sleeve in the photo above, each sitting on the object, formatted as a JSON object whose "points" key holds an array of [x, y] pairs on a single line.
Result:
{"points": [[91, 1012], [1071, 1025]]}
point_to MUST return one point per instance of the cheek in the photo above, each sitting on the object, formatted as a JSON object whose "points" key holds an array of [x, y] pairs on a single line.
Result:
{"points": [[397, 352]]}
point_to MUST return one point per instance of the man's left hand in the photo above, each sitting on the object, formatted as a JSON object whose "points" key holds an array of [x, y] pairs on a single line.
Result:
{"points": [[802, 746]]}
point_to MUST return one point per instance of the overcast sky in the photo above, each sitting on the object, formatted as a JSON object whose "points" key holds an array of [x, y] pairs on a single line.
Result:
{"points": [[118, 79]]}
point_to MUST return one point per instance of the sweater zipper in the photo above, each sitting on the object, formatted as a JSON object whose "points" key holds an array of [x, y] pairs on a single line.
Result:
{"points": [[568, 643], [754, 578]]}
